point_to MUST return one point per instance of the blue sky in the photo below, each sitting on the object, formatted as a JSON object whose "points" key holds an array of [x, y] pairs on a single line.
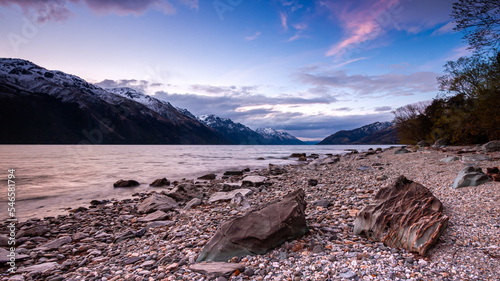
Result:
{"points": [[309, 67]]}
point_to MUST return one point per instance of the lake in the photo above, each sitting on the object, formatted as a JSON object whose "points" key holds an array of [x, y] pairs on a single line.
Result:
{"points": [[50, 178]]}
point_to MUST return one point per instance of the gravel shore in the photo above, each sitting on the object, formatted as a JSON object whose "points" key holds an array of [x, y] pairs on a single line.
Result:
{"points": [[112, 241]]}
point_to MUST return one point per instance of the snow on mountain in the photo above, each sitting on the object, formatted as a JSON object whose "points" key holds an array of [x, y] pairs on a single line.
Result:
{"points": [[163, 108], [56, 83], [273, 136], [272, 133]]}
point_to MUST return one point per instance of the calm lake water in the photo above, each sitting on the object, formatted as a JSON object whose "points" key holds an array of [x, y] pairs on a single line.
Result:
{"points": [[50, 178]]}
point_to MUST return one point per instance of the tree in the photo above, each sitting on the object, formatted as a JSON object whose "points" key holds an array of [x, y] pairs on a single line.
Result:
{"points": [[411, 123], [480, 20]]}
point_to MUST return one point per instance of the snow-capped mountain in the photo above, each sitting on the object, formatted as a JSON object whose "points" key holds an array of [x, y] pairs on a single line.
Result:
{"points": [[273, 136], [46, 106], [375, 133], [236, 133]]}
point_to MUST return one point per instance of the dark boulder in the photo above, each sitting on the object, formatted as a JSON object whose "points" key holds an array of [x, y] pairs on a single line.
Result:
{"points": [[126, 183], [493, 173], [276, 170], [260, 230], [184, 192], [491, 146], [32, 231], [208, 177], [298, 155], [404, 215], [312, 182], [233, 173], [160, 182]]}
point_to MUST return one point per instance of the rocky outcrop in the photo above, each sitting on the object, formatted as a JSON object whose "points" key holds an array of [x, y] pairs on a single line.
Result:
{"points": [[126, 183], [156, 202], [160, 182], [259, 230], [404, 215], [491, 146], [470, 176]]}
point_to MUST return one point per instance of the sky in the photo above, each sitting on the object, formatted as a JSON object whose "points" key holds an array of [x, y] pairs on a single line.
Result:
{"points": [[311, 68]]}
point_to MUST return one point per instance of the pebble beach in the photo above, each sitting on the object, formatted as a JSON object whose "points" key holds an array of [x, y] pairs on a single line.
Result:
{"points": [[110, 240]]}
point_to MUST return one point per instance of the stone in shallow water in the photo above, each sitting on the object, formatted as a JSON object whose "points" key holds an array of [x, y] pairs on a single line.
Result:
{"points": [[160, 182], [259, 230], [470, 176], [404, 215], [126, 183], [491, 146]]}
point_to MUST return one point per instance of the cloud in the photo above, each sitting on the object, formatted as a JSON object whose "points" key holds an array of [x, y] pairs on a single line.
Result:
{"points": [[260, 111], [58, 10], [348, 62], [283, 19], [447, 28], [138, 85], [374, 86], [383, 108], [253, 37], [366, 20]]}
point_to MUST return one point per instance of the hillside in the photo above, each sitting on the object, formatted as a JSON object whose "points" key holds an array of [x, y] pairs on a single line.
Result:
{"points": [[375, 133]]}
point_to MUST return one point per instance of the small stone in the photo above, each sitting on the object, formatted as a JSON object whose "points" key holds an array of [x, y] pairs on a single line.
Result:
{"points": [[312, 182], [348, 275], [126, 183]]}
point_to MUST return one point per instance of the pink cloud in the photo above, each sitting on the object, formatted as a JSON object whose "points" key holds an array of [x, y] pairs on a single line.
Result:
{"points": [[366, 20]]}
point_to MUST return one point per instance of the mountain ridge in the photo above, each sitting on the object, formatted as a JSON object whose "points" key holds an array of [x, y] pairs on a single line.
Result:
{"points": [[374, 133], [40, 106]]}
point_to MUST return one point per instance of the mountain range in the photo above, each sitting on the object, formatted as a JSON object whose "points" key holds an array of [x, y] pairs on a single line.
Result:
{"points": [[375, 133], [40, 106]]}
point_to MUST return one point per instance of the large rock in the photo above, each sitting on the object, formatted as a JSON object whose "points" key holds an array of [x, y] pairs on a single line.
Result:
{"points": [[208, 177], [404, 215], [470, 176], [449, 159], [259, 230], [276, 170], [226, 196], [156, 216], [253, 181], [475, 158], [491, 146], [38, 268], [185, 192], [160, 182], [216, 269], [33, 231], [126, 183], [56, 244], [156, 202]]}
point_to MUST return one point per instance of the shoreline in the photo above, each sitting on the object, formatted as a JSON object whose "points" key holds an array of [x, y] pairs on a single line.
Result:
{"points": [[468, 249]]}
